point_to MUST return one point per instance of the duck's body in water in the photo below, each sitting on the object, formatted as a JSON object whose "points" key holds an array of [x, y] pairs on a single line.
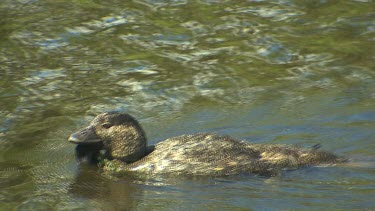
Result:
{"points": [[198, 154]]}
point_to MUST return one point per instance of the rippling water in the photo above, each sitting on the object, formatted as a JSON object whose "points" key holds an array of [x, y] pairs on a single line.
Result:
{"points": [[291, 72]]}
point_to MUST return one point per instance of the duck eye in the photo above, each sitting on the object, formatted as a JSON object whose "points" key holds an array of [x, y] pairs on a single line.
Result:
{"points": [[106, 125]]}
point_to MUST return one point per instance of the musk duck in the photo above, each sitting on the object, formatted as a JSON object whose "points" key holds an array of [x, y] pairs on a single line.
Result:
{"points": [[122, 143]]}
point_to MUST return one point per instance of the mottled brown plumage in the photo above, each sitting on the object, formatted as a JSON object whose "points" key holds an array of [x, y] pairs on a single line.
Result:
{"points": [[196, 154]]}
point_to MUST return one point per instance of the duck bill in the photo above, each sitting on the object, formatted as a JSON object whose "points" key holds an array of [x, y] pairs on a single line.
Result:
{"points": [[85, 136]]}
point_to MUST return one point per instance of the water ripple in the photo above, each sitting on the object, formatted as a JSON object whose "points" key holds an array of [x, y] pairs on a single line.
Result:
{"points": [[281, 71]]}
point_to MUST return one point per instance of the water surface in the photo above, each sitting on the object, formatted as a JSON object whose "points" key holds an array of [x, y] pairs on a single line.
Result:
{"points": [[290, 72]]}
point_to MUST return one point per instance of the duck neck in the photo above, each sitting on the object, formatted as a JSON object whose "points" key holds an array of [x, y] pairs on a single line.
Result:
{"points": [[130, 147]]}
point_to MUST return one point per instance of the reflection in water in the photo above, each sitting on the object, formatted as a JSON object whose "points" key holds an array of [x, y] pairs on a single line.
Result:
{"points": [[103, 193], [288, 72]]}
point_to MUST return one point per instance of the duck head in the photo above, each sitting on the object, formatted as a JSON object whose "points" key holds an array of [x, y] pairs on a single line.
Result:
{"points": [[119, 134]]}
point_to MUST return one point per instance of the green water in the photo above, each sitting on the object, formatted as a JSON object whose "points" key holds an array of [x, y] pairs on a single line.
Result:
{"points": [[291, 72]]}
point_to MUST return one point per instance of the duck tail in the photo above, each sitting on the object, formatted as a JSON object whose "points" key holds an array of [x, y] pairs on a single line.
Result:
{"points": [[322, 156], [316, 146]]}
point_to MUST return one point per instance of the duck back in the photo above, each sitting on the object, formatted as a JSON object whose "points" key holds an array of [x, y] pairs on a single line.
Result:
{"points": [[215, 155]]}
